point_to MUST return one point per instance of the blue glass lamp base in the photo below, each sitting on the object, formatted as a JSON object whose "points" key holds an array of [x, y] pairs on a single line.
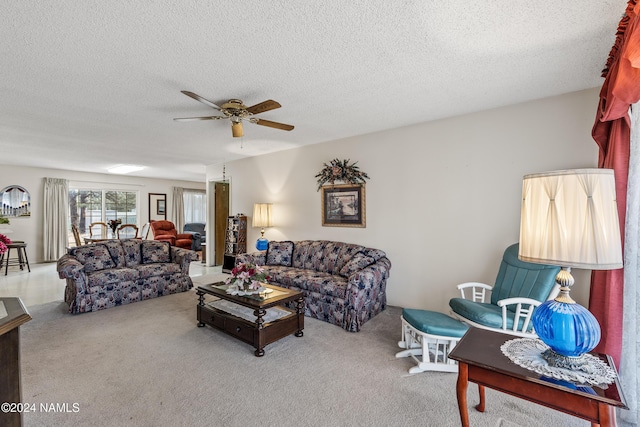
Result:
{"points": [[262, 244], [569, 329]]}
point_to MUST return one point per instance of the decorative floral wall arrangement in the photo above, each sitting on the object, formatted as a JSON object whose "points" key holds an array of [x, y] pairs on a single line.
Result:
{"points": [[338, 170]]}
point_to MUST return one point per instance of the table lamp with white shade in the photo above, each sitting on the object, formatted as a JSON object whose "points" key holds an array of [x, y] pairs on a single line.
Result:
{"points": [[262, 217], [569, 218]]}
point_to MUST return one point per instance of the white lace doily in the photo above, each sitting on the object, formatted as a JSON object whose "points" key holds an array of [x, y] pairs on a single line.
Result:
{"points": [[234, 290], [527, 353]]}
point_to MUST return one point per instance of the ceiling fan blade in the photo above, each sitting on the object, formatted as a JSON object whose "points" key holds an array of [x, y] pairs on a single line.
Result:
{"points": [[273, 124], [201, 99], [188, 119], [264, 106]]}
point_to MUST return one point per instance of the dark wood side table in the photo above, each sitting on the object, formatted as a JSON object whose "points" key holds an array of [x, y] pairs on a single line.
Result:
{"points": [[481, 361], [12, 315]]}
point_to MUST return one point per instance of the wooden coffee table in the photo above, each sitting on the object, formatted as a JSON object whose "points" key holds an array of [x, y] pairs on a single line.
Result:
{"points": [[258, 333], [481, 361]]}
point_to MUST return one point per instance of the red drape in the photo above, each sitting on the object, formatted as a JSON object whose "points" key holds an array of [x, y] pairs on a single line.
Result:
{"points": [[611, 131]]}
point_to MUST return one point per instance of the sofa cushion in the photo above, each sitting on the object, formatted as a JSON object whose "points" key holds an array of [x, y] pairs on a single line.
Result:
{"points": [[115, 249], [348, 251], [301, 251], [280, 253], [308, 280], [155, 251], [132, 252], [94, 257], [157, 269], [356, 263], [484, 313], [110, 278]]}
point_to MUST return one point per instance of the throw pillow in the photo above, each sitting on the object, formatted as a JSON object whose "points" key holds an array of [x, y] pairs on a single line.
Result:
{"points": [[155, 251], [94, 257], [280, 253], [356, 263]]}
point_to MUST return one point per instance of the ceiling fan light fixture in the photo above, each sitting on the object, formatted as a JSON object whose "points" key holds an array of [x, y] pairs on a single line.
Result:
{"points": [[236, 112], [236, 129]]}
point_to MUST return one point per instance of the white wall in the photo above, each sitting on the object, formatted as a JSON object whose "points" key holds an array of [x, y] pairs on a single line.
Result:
{"points": [[443, 200], [30, 229]]}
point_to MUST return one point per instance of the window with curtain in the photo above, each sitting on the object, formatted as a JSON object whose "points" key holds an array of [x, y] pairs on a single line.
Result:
{"points": [[195, 206], [91, 205]]}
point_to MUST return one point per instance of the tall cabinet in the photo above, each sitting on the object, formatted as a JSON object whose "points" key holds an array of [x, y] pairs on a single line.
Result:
{"points": [[235, 241]]}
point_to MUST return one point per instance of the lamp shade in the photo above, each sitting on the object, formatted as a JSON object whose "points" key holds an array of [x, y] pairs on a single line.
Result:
{"points": [[570, 218], [236, 129], [262, 216]]}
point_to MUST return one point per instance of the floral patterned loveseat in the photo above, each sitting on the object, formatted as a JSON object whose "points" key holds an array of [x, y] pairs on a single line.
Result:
{"points": [[116, 272], [342, 283]]}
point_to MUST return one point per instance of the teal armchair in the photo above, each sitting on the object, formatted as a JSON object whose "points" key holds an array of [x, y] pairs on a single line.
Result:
{"points": [[519, 288]]}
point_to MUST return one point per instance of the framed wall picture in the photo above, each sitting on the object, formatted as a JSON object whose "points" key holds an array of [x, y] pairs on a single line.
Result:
{"points": [[157, 206], [343, 206]]}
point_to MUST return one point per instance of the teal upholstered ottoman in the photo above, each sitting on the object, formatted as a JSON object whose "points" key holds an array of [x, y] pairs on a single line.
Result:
{"points": [[431, 335]]}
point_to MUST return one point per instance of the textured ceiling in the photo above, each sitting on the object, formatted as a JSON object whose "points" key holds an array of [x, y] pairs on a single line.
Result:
{"points": [[85, 85]]}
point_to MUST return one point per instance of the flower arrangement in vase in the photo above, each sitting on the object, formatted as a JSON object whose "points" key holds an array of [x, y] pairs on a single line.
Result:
{"points": [[4, 241], [246, 279], [113, 225]]}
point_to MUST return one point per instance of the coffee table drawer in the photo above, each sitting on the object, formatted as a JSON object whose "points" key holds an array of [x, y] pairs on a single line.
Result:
{"points": [[211, 317], [239, 329]]}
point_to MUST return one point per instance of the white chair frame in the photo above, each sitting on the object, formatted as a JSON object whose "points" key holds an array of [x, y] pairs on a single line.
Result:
{"points": [[524, 308], [434, 350]]}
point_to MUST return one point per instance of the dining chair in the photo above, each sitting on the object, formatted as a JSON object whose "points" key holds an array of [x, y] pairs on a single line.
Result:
{"points": [[519, 288], [76, 234], [98, 230], [127, 231], [144, 234]]}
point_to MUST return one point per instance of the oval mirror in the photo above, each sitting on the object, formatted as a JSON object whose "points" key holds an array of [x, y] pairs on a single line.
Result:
{"points": [[16, 201]]}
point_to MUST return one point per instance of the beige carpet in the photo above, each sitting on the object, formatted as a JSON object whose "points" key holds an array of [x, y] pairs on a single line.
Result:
{"points": [[147, 364]]}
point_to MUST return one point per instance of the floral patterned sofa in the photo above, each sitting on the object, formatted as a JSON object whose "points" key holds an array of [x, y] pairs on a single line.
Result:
{"points": [[342, 283], [116, 272]]}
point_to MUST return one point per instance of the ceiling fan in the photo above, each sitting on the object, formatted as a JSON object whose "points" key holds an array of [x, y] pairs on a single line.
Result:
{"points": [[236, 112]]}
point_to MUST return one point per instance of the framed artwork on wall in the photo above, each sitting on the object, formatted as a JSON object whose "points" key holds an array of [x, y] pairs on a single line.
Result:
{"points": [[343, 206], [157, 206]]}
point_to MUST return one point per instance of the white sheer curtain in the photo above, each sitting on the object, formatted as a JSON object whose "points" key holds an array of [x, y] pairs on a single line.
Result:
{"points": [[56, 211], [195, 206], [177, 208], [630, 361]]}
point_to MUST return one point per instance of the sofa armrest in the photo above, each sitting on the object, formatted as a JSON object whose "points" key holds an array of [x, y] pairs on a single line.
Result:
{"points": [[364, 289], [166, 238], [184, 257], [196, 243], [370, 277], [257, 258], [69, 267]]}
